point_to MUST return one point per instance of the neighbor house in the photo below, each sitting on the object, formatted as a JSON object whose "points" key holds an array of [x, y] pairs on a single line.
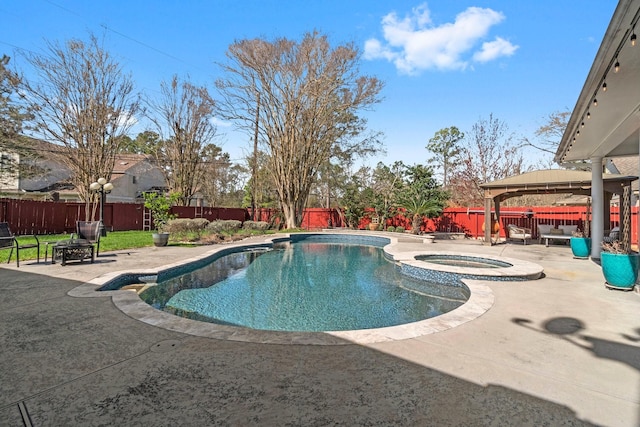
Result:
{"points": [[43, 177]]}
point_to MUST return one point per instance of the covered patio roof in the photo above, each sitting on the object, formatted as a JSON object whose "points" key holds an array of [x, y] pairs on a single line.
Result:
{"points": [[606, 123]]}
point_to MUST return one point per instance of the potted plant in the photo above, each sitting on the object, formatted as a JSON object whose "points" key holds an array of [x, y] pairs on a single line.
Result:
{"points": [[159, 205], [619, 265], [580, 244], [375, 223]]}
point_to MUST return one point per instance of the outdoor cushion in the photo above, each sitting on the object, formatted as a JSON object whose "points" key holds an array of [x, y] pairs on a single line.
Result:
{"points": [[556, 231], [568, 229], [544, 228]]}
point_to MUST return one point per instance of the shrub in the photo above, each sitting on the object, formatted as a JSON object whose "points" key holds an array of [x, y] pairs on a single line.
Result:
{"points": [[186, 229], [177, 225], [186, 225], [391, 228], [255, 225], [399, 229], [200, 223], [220, 225]]}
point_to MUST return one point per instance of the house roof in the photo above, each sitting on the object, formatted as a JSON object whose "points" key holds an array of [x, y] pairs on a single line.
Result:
{"points": [[126, 161]]}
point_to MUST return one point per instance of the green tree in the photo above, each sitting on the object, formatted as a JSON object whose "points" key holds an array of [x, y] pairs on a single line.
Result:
{"points": [[12, 116], [160, 207], [354, 198], [259, 191], [222, 179], [386, 183], [421, 196], [146, 142], [444, 145]]}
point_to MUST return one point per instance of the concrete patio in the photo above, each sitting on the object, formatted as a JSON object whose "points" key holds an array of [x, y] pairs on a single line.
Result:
{"points": [[562, 350]]}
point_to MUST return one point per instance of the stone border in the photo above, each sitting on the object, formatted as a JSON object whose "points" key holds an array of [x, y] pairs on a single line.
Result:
{"points": [[481, 299]]}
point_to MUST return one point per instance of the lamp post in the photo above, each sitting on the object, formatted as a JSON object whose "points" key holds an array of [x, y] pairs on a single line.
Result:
{"points": [[103, 187]]}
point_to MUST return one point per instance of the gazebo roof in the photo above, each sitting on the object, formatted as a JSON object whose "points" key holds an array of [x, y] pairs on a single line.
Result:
{"points": [[552, 181]]}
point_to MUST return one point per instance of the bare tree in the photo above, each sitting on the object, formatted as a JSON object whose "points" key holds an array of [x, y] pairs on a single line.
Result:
{"points": [[183, 116], [83, 102], [309, 95], [548, 135], [223, 179], [488, 154]]}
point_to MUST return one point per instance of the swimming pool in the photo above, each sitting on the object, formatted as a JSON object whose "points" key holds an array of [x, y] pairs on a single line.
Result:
{"points": [[310, 285], [395, 249]]}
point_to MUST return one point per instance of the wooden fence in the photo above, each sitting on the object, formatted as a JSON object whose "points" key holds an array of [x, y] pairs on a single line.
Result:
{"points": [[37, 217]]}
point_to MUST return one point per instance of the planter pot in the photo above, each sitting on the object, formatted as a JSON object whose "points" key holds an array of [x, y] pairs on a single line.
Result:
{"points": [[581, 247], [429, 239], [620, 270], [160, 239], [373, 227], [495, 226]]}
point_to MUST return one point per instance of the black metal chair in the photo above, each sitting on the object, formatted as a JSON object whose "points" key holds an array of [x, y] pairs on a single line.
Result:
{"points": [[90, 231], [9, 241]]}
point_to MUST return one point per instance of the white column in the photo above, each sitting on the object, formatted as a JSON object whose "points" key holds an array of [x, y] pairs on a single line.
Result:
{"points": [[597, 198]]}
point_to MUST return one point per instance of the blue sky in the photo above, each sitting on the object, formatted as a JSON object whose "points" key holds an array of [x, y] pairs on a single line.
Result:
{"points": [[444, 63]]}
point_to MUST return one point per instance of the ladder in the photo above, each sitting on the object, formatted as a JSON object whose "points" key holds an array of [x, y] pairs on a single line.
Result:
{"points": [[199, 208], [146, 219]]}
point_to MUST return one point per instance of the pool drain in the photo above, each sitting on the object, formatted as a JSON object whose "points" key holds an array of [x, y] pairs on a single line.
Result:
{"points": [[165, 346]]}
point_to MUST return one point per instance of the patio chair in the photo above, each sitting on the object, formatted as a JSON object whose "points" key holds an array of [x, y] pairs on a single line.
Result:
{"points": [[614, 235], [544, 229], [90, 231], [9, 241], [518, 233]]}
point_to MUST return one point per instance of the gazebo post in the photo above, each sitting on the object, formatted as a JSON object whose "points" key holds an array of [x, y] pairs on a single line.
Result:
{"points": [[487, 220], [496, 203]]}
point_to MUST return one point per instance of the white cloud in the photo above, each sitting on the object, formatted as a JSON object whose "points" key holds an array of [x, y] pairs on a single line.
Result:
{"points": [[495, 49], [220, 123], [414, 43]]}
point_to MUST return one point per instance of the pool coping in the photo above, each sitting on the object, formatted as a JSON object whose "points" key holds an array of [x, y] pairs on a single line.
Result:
{"points": [[480, 301]]}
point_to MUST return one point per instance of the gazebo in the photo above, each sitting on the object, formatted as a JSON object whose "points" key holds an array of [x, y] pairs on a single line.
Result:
{"points": [[605, 122], [551, 181]]}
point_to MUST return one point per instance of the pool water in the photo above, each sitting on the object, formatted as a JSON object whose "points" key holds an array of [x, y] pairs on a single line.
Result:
{"points": [[304, 286], [463, 261]]}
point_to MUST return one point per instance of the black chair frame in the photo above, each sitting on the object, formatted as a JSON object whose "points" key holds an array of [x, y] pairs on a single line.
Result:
{"points": [[9, 241]]}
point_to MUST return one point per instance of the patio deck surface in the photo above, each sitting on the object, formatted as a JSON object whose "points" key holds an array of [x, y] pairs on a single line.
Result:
{"points": [[561, 350]]}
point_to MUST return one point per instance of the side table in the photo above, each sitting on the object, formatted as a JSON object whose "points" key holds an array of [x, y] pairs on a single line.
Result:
{"points": [[71, 250]]}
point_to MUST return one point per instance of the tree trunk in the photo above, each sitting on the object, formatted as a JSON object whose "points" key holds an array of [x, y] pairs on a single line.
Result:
{"points": [[417, 219], [289, 212]]}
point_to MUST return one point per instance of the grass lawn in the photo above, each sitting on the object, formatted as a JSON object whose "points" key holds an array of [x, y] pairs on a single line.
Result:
{"points": [[117, 240], [114, 240]]}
